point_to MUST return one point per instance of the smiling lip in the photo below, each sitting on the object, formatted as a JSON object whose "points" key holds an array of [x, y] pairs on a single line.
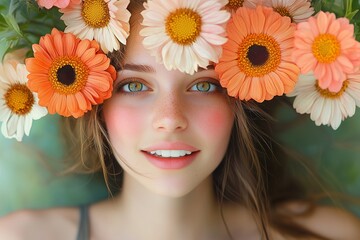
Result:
{"points": [[171, 162]]}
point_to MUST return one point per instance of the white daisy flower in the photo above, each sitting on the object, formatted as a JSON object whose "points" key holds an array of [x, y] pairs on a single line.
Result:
{"points": [[184, 34], [297, 10], [106, 21], [325, 107], [18, 105]]}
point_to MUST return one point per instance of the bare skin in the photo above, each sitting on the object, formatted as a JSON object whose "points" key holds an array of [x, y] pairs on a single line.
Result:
{"points": [[62, 223]]}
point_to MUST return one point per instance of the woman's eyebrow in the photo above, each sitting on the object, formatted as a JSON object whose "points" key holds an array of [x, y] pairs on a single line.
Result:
{"points": [[138, 68], [149, 69]]}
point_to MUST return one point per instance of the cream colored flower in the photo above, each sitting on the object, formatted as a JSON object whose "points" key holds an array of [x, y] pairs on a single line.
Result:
{"points": [[106, 21], [325, 107], [184, 34], [18, 105], [297, 10]]}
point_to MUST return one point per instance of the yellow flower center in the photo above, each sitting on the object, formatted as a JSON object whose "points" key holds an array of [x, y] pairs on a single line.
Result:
{"points": [[235, 4], [68, 75], [326, 48], [259, 54], [95, 13], [19, 99], [332, 95], [183, 26], [283, 11]]}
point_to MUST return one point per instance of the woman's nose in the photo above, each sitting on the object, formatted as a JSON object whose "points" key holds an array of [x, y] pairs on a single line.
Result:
{"points": [[170, 113]]}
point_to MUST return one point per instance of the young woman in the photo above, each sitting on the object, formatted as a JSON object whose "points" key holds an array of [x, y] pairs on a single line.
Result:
{"points": [[194, 164]]}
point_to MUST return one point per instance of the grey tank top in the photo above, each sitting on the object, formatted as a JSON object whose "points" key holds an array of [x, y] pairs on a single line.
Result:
{"points": [[84, 227]]}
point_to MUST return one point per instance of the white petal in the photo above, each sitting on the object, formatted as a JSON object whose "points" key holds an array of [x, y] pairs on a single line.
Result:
{"points": [[20, 128], [4, 130], [349, 104], [12, 124], [326, 112], [336, 116], [28, 124], [38, 112], [22, 73], [4, 113], [317, 108], [11, 73], [304, 103]]}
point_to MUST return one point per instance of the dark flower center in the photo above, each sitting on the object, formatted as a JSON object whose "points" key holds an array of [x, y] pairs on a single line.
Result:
{"points": [[66, 75], [257, 55]]}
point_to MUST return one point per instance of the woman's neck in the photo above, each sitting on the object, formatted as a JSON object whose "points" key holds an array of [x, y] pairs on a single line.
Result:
{"points": [[149, 215]]}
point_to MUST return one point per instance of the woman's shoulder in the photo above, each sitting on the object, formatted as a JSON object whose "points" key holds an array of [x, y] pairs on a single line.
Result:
{"points": [[38, 224], [328, 221]]}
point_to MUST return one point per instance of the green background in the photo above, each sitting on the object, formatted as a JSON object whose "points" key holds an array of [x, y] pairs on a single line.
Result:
{"points": [[30, 172]]}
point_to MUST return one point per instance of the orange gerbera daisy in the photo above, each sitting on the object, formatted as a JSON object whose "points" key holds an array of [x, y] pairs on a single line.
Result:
{"points": [[256, 61], [69, 75], [327, 47]]}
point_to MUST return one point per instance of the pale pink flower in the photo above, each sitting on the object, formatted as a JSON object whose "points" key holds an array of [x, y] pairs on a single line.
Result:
{"points": [[327, 47], [57, 3]]}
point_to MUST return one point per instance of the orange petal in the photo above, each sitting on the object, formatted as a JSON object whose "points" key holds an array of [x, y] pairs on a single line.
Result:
{"points": [[81, 101], [82, 47], [69, 44], [71, 103], [49, 46]]}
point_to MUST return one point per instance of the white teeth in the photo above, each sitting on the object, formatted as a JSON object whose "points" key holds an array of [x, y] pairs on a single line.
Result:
{"points": [[170, 153]]}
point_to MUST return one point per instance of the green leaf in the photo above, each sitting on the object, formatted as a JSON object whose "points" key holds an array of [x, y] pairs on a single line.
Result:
{"points": [[351, 15], [317, 5], [10, 20], [4, 46], [13, 6]]}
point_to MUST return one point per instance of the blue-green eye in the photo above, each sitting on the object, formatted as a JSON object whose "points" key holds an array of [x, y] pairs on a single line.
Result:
{"points": [[134, 87], [204, 86]]}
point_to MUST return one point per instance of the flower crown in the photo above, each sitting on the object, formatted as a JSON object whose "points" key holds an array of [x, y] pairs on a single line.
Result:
{"points": [[261, 49]]}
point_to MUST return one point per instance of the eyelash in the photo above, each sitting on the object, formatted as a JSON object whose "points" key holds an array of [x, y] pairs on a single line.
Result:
{"points": [[214, 86], [120, 86]]}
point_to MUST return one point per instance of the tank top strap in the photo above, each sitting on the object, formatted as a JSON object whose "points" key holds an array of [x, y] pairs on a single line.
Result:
{"points": [[84, 227]]}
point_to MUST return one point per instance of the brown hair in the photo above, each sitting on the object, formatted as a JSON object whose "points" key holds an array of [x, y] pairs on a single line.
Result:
{"points": [[251, 173]]}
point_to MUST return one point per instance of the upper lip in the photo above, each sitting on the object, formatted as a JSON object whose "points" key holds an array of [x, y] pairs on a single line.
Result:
{"points": [[171, 146]]}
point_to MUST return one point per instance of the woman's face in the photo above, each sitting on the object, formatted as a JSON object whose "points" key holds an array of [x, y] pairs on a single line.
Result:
{"points": [[170, 128]]}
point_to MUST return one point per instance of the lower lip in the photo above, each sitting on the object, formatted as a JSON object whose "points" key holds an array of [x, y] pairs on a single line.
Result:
{"points": [[171, 163]]}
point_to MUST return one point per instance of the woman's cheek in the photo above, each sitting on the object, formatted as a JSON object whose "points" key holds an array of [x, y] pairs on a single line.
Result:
{"points": [[216, 122], [124, 121]]}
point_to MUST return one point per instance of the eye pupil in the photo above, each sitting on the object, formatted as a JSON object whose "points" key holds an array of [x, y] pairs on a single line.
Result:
{"points": [[135, 86], [203, 86]]}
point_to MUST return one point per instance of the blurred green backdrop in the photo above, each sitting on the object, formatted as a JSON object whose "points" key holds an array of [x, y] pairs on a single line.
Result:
{"points": [[29, 171], [334, 155]]}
